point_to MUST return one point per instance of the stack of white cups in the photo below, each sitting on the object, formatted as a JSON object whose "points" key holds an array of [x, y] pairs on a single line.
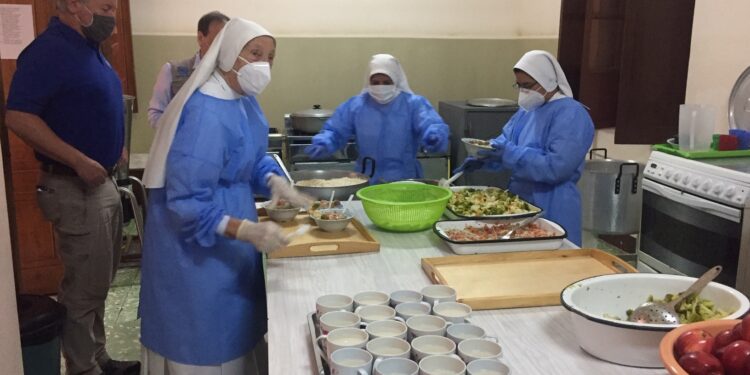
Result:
{"points": [[404, 333]]}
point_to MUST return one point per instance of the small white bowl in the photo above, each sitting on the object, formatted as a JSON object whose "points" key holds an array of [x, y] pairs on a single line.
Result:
{"points": [[595, 301], [472, 149], [333, 225]]}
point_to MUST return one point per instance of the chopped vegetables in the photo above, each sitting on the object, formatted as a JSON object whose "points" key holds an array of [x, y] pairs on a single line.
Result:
{"points": [[486, 202], [691, 310], [489, 232]]}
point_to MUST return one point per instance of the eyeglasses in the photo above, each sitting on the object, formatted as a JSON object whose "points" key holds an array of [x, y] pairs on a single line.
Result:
{"points": [[524, 85]]}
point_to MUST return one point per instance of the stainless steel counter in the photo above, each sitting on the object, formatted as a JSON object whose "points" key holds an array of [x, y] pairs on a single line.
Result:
{"points": [[535, 340]]}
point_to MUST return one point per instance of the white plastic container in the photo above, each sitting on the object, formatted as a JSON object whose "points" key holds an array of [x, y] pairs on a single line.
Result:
{"points": [[500, 246], [696, 126]]}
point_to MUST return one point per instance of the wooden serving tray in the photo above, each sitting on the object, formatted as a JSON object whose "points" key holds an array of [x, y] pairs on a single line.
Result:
{"points": [[353, 239], [519, 279]]}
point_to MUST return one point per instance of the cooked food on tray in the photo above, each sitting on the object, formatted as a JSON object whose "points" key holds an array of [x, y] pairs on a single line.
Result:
{"points": [[486, 202], [332, 182], [323, 204], [491, 232], [691, 310], [480, 143], [281, 204], [332, 214]]}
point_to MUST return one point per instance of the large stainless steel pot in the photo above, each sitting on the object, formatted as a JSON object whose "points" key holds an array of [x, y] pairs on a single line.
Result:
{"points": [[611, 195], [310, 121], [341, 192]]}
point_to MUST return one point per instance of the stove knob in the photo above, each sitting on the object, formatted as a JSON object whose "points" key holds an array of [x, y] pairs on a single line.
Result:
{"points": [[706, 186], [730, 192], [677, 177], [686, 180], [668, 173], [697, 182], [718, 188]]}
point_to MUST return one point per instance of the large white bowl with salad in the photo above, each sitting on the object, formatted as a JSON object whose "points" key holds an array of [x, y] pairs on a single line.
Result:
{"points": [[599, 310]]}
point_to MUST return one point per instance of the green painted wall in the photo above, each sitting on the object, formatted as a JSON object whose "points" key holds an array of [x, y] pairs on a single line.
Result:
{"points": [[327, 71]]}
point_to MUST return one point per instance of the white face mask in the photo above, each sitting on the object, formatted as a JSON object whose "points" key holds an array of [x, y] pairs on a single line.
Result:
{"points": [[253, 77], [383, 93], [530, 99]]}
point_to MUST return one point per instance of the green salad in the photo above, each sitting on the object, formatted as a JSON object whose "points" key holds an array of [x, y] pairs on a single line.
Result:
{"points": [[691, 310], [485, 202]]}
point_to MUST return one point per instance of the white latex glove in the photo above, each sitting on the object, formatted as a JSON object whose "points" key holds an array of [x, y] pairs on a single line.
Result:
{"points": [[282, 189], [266, 236]]}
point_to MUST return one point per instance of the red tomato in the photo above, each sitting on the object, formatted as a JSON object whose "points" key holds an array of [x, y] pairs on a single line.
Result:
{"points": [[701, 363], [734, 357], [688, 338], [724, 338], [737, 331], [703, 345], [745, 328]]}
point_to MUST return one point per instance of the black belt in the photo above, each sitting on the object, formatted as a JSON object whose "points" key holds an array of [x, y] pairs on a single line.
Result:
{"points": [[64, 170]]}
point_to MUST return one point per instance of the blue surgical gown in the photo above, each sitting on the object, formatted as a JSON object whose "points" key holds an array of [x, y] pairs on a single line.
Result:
{"points": [[203, 298], [389, 133], [545, 151]]}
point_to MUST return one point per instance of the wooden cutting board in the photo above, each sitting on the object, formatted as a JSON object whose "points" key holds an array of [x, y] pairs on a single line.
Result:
{"points": [[353, 239], [519, 279]]}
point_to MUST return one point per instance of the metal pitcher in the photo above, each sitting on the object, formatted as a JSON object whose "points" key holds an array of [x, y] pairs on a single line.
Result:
{"points": [[611, 195]]}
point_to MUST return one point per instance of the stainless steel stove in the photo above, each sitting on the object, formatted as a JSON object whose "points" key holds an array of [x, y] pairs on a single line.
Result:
{"points": [[695, 216]]}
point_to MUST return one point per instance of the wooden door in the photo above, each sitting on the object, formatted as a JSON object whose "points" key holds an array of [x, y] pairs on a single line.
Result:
{"points": [[39, 267]]}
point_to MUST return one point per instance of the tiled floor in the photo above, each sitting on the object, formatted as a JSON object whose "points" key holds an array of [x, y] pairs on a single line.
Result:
{"points": [[121, 315]]}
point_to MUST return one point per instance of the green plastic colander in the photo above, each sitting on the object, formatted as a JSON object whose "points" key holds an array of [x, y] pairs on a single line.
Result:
{"points": [[404, 207]]}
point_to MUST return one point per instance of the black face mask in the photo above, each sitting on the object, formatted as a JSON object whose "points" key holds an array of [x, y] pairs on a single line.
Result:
{"points": [[101, 28]]}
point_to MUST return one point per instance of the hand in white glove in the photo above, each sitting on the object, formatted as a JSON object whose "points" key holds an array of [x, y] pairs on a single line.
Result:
{"points": [[266, 236], [282, 189]]}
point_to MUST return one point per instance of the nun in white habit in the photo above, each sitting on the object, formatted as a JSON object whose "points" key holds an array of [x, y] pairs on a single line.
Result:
{"points": [[202, 303], [390, 123], [544, 144]]}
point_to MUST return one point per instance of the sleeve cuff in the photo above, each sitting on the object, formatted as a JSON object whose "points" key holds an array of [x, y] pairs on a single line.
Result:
{"points": [[222, 227]]}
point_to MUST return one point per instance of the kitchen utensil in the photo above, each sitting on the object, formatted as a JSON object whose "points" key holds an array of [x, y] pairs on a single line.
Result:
{"points": [[520, 225], [310, 121], [519, 279], [491, 102], [739, 116], [281, 215], [664, 313], [330, 225], [330, 200], [611, 195], [402, 207], [341, 191], [478, 245], [598, 304], [446, 183], [473, 149]]}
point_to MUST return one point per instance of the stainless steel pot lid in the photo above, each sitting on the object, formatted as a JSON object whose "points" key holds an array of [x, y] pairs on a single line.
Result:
{"points": [[315, 111], [491, 102], [739, 102]]}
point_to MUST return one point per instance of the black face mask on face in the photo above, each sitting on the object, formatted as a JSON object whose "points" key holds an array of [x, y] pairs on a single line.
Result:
{"points": [[101, 27]]}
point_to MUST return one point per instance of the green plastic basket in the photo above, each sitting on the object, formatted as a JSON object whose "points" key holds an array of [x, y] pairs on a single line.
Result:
{"points": [[404, 207]]}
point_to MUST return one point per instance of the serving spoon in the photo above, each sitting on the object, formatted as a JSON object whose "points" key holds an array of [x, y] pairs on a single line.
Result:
{"points": [[665, 313], [520, 225], [447, 183]]}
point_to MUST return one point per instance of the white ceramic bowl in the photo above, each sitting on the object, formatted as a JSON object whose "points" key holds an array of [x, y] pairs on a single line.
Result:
{"points": [[594, 302], [472, 149]]}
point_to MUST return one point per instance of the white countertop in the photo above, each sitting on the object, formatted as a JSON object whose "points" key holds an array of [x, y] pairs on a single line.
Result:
{"points": [[535, 340]]}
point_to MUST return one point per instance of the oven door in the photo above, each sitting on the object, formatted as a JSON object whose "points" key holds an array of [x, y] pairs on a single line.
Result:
{"points": [[688, 234]]}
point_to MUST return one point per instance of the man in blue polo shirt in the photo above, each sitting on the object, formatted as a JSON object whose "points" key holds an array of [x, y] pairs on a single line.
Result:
{"points": [[65, 101]]}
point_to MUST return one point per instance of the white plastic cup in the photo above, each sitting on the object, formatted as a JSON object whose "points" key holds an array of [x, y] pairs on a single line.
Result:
{"points": [[333, 302], [351, 361], [403, 296], [396, 366], [407, 310], [473, 349], [487, 367], [696, 126], [442, 365]]}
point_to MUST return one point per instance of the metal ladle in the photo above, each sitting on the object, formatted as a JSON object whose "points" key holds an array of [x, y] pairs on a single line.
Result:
{"points": [[665, 313]]}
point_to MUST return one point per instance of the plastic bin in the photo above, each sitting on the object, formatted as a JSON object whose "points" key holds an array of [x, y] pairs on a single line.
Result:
{"points": [[40, 319]]}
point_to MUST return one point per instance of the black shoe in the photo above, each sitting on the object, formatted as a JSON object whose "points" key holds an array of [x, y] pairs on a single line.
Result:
{"points": [[113, 367]]}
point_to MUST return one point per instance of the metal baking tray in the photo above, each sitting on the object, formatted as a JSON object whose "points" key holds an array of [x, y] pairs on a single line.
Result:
{"points": [[491, 102], [453, 215], [314, 327], [500, 245]]}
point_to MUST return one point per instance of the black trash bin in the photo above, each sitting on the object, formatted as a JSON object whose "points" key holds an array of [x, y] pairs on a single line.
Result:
{"points": [[40, 319]]}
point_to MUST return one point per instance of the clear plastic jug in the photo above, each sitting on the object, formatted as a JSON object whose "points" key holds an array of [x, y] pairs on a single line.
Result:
{"points": [[696, 126]]}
